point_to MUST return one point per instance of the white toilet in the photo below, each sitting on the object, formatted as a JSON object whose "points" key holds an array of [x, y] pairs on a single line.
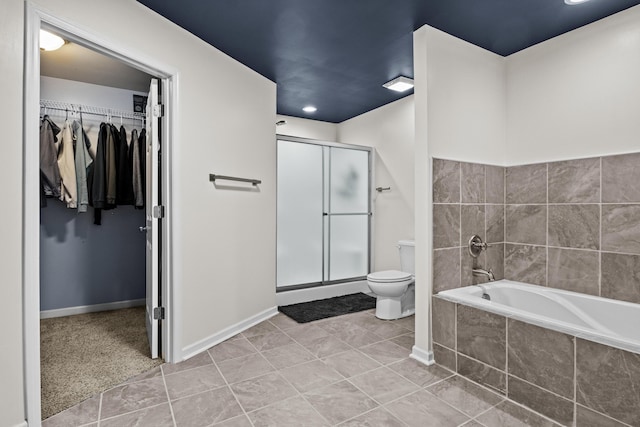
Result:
{"points": [[395, 290]]}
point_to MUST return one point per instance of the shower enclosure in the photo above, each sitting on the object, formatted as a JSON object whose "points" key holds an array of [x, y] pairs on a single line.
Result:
{"points": [[324, 213]]}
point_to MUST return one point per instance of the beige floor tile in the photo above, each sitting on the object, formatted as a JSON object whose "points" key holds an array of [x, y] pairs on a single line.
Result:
{"points": [[357, 336], [193, 381], [231, 349], [270, 341], [132, 397], [156, 416], [288, 355], [379, 417], [283, 321], [82, 413], [206, 408], [385, 352], [420, 374], [243, 368], [340, 401], [259, 392], [198, 361], [305, 334], [351, 363], [260, 329], [384, 385], [327, 346], [293, 412], [423, 409], [241, 421], [465, 395], [508, 414], [407, 341], [311, 375]]}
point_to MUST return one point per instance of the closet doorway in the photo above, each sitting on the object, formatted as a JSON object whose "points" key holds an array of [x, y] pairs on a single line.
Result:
{"points": [[148, 265]]}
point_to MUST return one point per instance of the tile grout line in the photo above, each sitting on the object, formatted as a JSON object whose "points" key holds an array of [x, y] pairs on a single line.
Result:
{"points": [[100, 409], [166, 390]]}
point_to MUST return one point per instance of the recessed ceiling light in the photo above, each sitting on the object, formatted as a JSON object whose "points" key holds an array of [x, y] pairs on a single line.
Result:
{"points": [[309, 109], [49, 41], [399, 84], [573, 2]]}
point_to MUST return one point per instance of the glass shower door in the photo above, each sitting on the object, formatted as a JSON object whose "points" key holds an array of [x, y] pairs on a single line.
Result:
{"points": [[323, 215], [348, 214]]}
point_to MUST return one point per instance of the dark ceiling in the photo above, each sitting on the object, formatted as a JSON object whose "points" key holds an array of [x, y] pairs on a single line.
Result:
{"points": [[336, 54]]}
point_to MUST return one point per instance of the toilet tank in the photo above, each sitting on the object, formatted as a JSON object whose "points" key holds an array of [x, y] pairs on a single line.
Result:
{"points": [[407, 256]]}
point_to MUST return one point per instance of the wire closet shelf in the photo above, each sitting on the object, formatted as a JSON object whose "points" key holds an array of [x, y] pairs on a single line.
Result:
{"points": [[108, 113]]}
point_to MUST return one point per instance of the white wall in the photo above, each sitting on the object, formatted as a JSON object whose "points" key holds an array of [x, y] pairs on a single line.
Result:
{"points": [[224, 240], [307, 128], [390, 130], [11, 364], [577, 95]]}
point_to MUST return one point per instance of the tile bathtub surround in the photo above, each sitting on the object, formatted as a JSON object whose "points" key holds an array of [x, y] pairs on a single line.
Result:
{"points": [[468, 199], [574, 225], [567, 379]]}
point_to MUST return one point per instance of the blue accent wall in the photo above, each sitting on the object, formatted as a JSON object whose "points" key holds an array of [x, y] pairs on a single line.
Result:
{"points": [[85, 264]]}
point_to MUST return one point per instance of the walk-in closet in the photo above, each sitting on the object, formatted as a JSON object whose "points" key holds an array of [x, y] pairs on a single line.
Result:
{"points": [[93, 225]]}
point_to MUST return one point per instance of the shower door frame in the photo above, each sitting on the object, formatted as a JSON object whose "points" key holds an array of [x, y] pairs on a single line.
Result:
{"points": [[370, 212]]}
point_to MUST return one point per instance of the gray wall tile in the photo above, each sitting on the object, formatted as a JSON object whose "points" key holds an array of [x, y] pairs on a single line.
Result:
{"points": [[621, 277], [574, 270], [620, 177], [495, 223], [446, 269], [467, 264], [495, 260], [482, 374], [446, 181], [443, 322], [472, 183], [603, 372], [541, 356], [472, 222], [482, 335], [575, 181], [538, 399], [526, 184], [495, 184], [444, 357], [587, 417], [525, 263], [621, 228], [526, 224], [446, 226], [574, 226]]}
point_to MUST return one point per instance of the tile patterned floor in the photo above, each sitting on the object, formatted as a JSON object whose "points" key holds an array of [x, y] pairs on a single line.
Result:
{"points": [[351, 371]]}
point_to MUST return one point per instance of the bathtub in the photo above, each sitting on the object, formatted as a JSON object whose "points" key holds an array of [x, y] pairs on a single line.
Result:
{"points": [[606, 321]]}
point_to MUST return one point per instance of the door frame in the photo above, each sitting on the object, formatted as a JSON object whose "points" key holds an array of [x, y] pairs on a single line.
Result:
{"points": [[371, 207], [35, 18]]}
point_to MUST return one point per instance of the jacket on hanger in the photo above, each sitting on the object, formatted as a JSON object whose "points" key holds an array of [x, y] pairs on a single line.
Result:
{"points": [[110, 165], [124, 185], [138, 157], [50, 173], [67, 166], [83, 163]]}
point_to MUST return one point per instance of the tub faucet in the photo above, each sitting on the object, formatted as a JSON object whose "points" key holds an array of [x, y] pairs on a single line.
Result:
{"points": [[482, 272]]}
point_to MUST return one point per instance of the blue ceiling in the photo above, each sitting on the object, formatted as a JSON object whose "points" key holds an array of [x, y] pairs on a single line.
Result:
{"points": [[336, 54]]}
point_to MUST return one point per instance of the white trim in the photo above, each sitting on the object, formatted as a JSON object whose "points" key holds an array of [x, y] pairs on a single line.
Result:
{"points": [[35, 18], [22, 424], [208, 342], [82, 309], [422, 356], [321, 292]]}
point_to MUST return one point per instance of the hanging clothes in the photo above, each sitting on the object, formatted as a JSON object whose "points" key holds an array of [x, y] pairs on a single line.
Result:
{"points": [[83, 163], [124, 185], [97, 180], [50, 173], [110, 165], [67, 166]]}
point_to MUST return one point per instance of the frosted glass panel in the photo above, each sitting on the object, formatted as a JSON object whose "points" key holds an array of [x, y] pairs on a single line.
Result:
{"points": [[349, 181], [349, 251], [299, 204]]}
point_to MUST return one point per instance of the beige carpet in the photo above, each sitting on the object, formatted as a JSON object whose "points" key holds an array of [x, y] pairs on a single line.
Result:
{"points": [[88, 353]]}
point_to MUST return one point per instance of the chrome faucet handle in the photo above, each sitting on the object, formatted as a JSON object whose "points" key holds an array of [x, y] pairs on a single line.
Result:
{"points": [[476, 245]]}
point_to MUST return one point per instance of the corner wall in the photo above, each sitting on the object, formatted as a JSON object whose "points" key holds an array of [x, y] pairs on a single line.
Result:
{"points": [[390, 130]]}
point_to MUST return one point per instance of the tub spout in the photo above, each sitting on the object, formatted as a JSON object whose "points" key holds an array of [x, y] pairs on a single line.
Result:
{"points": [[482, 272]]}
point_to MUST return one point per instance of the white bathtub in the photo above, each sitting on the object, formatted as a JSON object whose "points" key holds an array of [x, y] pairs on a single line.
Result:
{"points": [[607, 321]]}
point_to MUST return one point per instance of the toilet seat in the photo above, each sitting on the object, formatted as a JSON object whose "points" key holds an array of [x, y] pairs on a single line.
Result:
{"points": [[389, 276]]}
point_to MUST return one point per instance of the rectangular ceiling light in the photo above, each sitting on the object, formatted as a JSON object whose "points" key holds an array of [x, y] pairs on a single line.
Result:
{"points": [[399, 84]]}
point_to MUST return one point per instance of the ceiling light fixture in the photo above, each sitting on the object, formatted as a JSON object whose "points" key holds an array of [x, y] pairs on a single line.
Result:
{"points": [[49, 41], [309, 109], [574, 2], [399, 84]]}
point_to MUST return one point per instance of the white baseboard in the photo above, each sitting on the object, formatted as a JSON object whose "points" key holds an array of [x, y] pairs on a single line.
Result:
{"points": [[22, 424], [321, 292], [198, 347], [424, 357], [81, 309]]}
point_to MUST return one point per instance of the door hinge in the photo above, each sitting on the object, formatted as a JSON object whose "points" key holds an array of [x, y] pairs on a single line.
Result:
{"points": [[158, 211], [158, 313], [158, 110]]}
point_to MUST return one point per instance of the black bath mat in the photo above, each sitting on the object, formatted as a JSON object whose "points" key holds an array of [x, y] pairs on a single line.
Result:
{"points": [[321, 309]]}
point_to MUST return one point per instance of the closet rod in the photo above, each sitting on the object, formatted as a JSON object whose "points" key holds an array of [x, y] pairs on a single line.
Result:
{"points": [[88, 109]]}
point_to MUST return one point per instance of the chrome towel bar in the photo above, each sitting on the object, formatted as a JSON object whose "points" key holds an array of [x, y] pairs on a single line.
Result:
{"points": [[214, 177]]}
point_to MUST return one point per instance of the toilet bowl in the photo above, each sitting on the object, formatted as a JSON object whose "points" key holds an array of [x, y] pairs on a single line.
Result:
{"points": [[395, 289]]}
